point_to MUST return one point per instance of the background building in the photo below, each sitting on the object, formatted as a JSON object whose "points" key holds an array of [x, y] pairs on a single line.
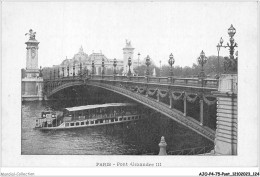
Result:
{"points": [[66, 67]]}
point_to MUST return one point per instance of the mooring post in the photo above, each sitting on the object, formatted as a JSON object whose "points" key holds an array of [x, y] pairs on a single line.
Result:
{"points": [[162, 146]]}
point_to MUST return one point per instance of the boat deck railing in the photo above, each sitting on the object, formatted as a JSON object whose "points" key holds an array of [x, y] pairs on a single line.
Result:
{"points": [[57, 123]]}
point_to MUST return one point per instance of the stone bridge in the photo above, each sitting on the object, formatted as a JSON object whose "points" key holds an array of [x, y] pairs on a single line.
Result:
{"points": [[150, 91]]}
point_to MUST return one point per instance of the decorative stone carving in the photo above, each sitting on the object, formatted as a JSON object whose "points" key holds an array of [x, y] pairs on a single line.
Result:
{"points": [[228, 83], [31, 34], [230, 65]]}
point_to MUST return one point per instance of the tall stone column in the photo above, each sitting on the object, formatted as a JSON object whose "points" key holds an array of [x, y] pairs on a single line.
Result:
{"points": [[226, 133], [32, 84]]}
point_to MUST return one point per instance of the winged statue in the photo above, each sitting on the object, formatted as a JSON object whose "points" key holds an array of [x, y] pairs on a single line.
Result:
{"points": [[31, 34]]}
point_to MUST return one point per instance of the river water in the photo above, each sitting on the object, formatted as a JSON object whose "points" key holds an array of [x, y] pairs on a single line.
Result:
{"points": [[132, 138]]}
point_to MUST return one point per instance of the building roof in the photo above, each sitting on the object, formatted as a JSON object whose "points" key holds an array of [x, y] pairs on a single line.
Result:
{"points": [[97, 57]]}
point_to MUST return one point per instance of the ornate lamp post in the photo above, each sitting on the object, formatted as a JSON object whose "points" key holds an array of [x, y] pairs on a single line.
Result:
{"points": [[231, 46], [80, 69], [93, 67], [138, 62], [160, 73], [68, 70], [103, 66], [147, 62], [62, 71], [54, 73], [74, 69], [50, 74], [114, 64], [58, 72], [202, 60], [129, 65], [171, 61]]}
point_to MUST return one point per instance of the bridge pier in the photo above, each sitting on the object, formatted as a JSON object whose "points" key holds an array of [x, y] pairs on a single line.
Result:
{"points": [[226, 133]]}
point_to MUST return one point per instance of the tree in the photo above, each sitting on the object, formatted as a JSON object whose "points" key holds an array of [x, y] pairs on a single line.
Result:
{"points": [[141, 70]]}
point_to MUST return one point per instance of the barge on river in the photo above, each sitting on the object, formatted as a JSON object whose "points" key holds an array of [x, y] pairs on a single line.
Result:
{"points": [[89, 115]]}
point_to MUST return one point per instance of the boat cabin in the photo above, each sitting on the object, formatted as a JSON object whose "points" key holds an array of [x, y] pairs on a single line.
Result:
{"points": [[90, 115]]}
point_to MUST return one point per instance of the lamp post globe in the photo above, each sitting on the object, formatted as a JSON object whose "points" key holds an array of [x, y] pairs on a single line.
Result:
{"points": [[231, 31]]}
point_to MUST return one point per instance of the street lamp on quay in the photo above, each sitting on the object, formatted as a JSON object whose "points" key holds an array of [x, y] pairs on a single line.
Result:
{"points": [[114, 64], [202, 60], [231, 46], [147, 62], [129, 65], [171, 62]]}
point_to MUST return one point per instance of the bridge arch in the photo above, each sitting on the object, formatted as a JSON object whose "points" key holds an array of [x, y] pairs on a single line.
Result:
{"points": [[164, 109], [64, 86]]}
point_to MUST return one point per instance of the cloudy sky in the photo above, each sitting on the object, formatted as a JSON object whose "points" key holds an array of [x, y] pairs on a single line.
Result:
{"points": [[154, 28]]}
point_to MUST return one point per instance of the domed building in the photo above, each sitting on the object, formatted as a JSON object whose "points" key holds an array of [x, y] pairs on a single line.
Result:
{"points": [[68, 67]]}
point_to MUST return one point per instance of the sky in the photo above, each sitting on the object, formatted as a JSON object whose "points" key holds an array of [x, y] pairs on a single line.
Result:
{"points": [[154, 28]]}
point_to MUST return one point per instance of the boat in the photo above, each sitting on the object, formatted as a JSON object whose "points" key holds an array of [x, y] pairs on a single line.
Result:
{"points": [[89, 116]]}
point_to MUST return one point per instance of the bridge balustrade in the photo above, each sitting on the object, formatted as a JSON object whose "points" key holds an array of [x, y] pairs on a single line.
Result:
{"points": [[212, 83], [137, 78]]}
